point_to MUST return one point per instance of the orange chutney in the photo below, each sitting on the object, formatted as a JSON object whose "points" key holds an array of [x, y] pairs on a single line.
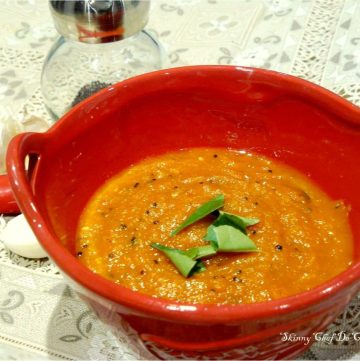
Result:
{"points": [[303, 236]]}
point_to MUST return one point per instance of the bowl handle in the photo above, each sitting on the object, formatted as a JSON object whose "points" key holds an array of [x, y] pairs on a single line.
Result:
{"points": [[8, 204], [21, 147]]}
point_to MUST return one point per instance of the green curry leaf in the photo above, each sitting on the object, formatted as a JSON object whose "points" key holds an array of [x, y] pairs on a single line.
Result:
{"points": [[199, 267], [186, 265], [235, 221], [229, 239], [192, 253], [201, 252], [226, 234], [201, 212]]}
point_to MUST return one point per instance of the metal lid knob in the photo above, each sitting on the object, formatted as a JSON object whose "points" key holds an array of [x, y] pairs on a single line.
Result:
{"points": [[99, 21]]}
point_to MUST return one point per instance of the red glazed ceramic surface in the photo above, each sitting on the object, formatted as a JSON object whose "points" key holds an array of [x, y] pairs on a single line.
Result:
{"points": [[273, 114], [7, 202]]}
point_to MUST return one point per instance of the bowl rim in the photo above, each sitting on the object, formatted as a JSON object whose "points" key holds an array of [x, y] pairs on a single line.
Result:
{"points": [[154, 307]]}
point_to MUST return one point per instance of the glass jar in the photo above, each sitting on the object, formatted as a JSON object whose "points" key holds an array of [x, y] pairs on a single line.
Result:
{"points": [[91, 55], [73, 70]]}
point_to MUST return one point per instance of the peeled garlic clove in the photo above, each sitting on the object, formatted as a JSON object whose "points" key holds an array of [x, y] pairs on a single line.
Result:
{"points": [[19, 238]]}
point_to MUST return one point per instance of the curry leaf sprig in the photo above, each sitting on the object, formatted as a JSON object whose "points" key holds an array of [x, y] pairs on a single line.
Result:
{"points": [[201, 212], [185, 261], [226, 234]]}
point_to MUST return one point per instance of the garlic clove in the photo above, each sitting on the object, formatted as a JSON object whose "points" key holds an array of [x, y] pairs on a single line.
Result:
{"points": [[19, 238]]}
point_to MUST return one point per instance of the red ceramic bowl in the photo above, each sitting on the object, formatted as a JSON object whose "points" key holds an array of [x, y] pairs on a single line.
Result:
{"points": [[273, 114]]}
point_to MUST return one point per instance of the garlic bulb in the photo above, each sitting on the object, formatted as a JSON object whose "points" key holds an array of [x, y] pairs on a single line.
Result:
{"points": [[8, 129]]}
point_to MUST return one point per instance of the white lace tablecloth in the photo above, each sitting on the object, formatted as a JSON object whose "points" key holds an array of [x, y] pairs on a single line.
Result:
{"points": [[40, 316]]}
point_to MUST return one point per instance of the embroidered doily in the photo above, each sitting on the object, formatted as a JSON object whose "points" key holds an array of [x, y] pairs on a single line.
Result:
{"points": [[319, 40]]}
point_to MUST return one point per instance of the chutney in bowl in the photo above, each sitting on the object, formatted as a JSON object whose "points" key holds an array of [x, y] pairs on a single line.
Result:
{"points": [[273, 115], [302, 236]]}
